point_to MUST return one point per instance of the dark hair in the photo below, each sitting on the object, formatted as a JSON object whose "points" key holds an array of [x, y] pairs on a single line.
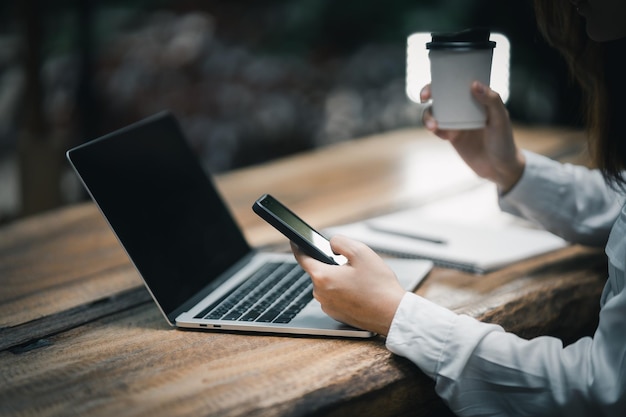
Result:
{"points": [[596, 67]]}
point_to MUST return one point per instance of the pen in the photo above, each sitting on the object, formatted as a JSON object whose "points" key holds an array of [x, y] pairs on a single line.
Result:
{"points": [[406, 234]]}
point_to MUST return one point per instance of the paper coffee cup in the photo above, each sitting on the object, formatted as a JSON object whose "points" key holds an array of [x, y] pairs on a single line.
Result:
{"points": [[456, 61]]}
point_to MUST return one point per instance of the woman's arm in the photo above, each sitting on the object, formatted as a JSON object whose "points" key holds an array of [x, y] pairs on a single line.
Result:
{"points": [[481, 370], [571, 201]]}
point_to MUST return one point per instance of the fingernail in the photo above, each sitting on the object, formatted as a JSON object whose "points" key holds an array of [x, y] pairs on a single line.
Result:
{"points": [[480, 88], [430, 123]]}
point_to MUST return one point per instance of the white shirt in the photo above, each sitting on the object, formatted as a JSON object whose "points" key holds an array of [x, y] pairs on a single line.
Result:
{"points": [[480, 369]]}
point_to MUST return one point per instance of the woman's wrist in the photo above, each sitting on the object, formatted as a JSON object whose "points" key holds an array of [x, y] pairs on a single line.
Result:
{"points": [[511, 175], [390, 313]]}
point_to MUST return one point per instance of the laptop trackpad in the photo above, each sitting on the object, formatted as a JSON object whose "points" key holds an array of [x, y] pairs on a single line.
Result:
{"points": [[410, 272]]}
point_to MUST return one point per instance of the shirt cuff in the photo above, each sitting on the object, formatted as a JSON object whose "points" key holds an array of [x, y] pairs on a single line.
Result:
{"points": [[539, 185], [420, 331]]}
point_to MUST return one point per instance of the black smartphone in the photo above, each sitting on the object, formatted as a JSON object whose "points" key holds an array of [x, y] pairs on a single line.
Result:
{"points": [[297, 230]]}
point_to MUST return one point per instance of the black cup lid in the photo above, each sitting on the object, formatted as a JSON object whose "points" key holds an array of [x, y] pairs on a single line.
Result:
{"points": [[475, 38]]}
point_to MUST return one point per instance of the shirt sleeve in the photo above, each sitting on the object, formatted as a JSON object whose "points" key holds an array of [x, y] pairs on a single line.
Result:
{"points": [[480, 369], [571, 201]]}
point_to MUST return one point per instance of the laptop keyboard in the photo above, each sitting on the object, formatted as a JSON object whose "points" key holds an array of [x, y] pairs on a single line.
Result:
{"points": [[275, 293]]}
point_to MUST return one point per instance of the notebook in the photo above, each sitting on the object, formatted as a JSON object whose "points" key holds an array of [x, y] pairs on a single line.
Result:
{"points": [[467, 231], [193, 258]]}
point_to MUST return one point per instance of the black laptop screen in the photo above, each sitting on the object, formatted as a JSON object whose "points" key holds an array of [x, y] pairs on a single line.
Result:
{"points": [[162, 206]]}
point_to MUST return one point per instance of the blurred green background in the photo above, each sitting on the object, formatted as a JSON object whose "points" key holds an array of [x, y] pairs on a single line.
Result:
{"points": [[250, 80]]}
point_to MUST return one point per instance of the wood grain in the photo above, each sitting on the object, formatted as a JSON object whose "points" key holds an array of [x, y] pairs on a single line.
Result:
{"points": [[80, 336], [72, 257], [151, 369], [59, 261], [370, 176]]}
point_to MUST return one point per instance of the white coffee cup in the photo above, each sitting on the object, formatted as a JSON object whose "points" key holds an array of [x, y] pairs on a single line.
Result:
{"points": [[456, 61]]}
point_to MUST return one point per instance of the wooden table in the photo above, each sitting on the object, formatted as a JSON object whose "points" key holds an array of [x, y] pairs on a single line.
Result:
{"points": [[79, 334]]}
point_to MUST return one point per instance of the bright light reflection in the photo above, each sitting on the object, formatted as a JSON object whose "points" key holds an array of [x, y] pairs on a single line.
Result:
{"points": [[431, 168], [418, 65]]}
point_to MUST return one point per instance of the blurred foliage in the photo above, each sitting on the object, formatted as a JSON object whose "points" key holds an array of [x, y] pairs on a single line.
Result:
{"points": [[252, 80], [321, 34]]}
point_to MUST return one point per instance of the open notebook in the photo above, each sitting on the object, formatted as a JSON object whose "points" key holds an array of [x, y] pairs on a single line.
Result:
{"points": [[467, 232]]}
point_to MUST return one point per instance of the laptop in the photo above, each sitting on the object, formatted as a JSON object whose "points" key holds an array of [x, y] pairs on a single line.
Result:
{"points": [[166, 212]]}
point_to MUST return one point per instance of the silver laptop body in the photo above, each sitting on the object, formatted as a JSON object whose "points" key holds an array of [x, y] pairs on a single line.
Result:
{"points": [[193, 258]]}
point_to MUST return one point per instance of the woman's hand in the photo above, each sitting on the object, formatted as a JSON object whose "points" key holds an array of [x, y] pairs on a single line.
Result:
{"points": [[363, 293], [491, 152]]}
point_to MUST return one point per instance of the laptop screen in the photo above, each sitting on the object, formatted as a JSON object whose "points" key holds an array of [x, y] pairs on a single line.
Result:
{"points": [[163, 207]]}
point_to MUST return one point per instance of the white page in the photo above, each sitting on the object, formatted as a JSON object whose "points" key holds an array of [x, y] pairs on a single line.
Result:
{"points": [[471, 231]]}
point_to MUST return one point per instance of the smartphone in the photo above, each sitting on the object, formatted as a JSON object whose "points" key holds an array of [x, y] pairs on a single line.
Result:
{"points": [[297, 230]]}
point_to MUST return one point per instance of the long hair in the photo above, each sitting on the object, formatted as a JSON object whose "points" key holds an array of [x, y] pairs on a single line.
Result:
{"points": [[595, 66]]}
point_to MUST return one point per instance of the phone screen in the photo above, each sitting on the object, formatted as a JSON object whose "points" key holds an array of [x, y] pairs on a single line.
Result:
{"points": [[301, 228]]}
